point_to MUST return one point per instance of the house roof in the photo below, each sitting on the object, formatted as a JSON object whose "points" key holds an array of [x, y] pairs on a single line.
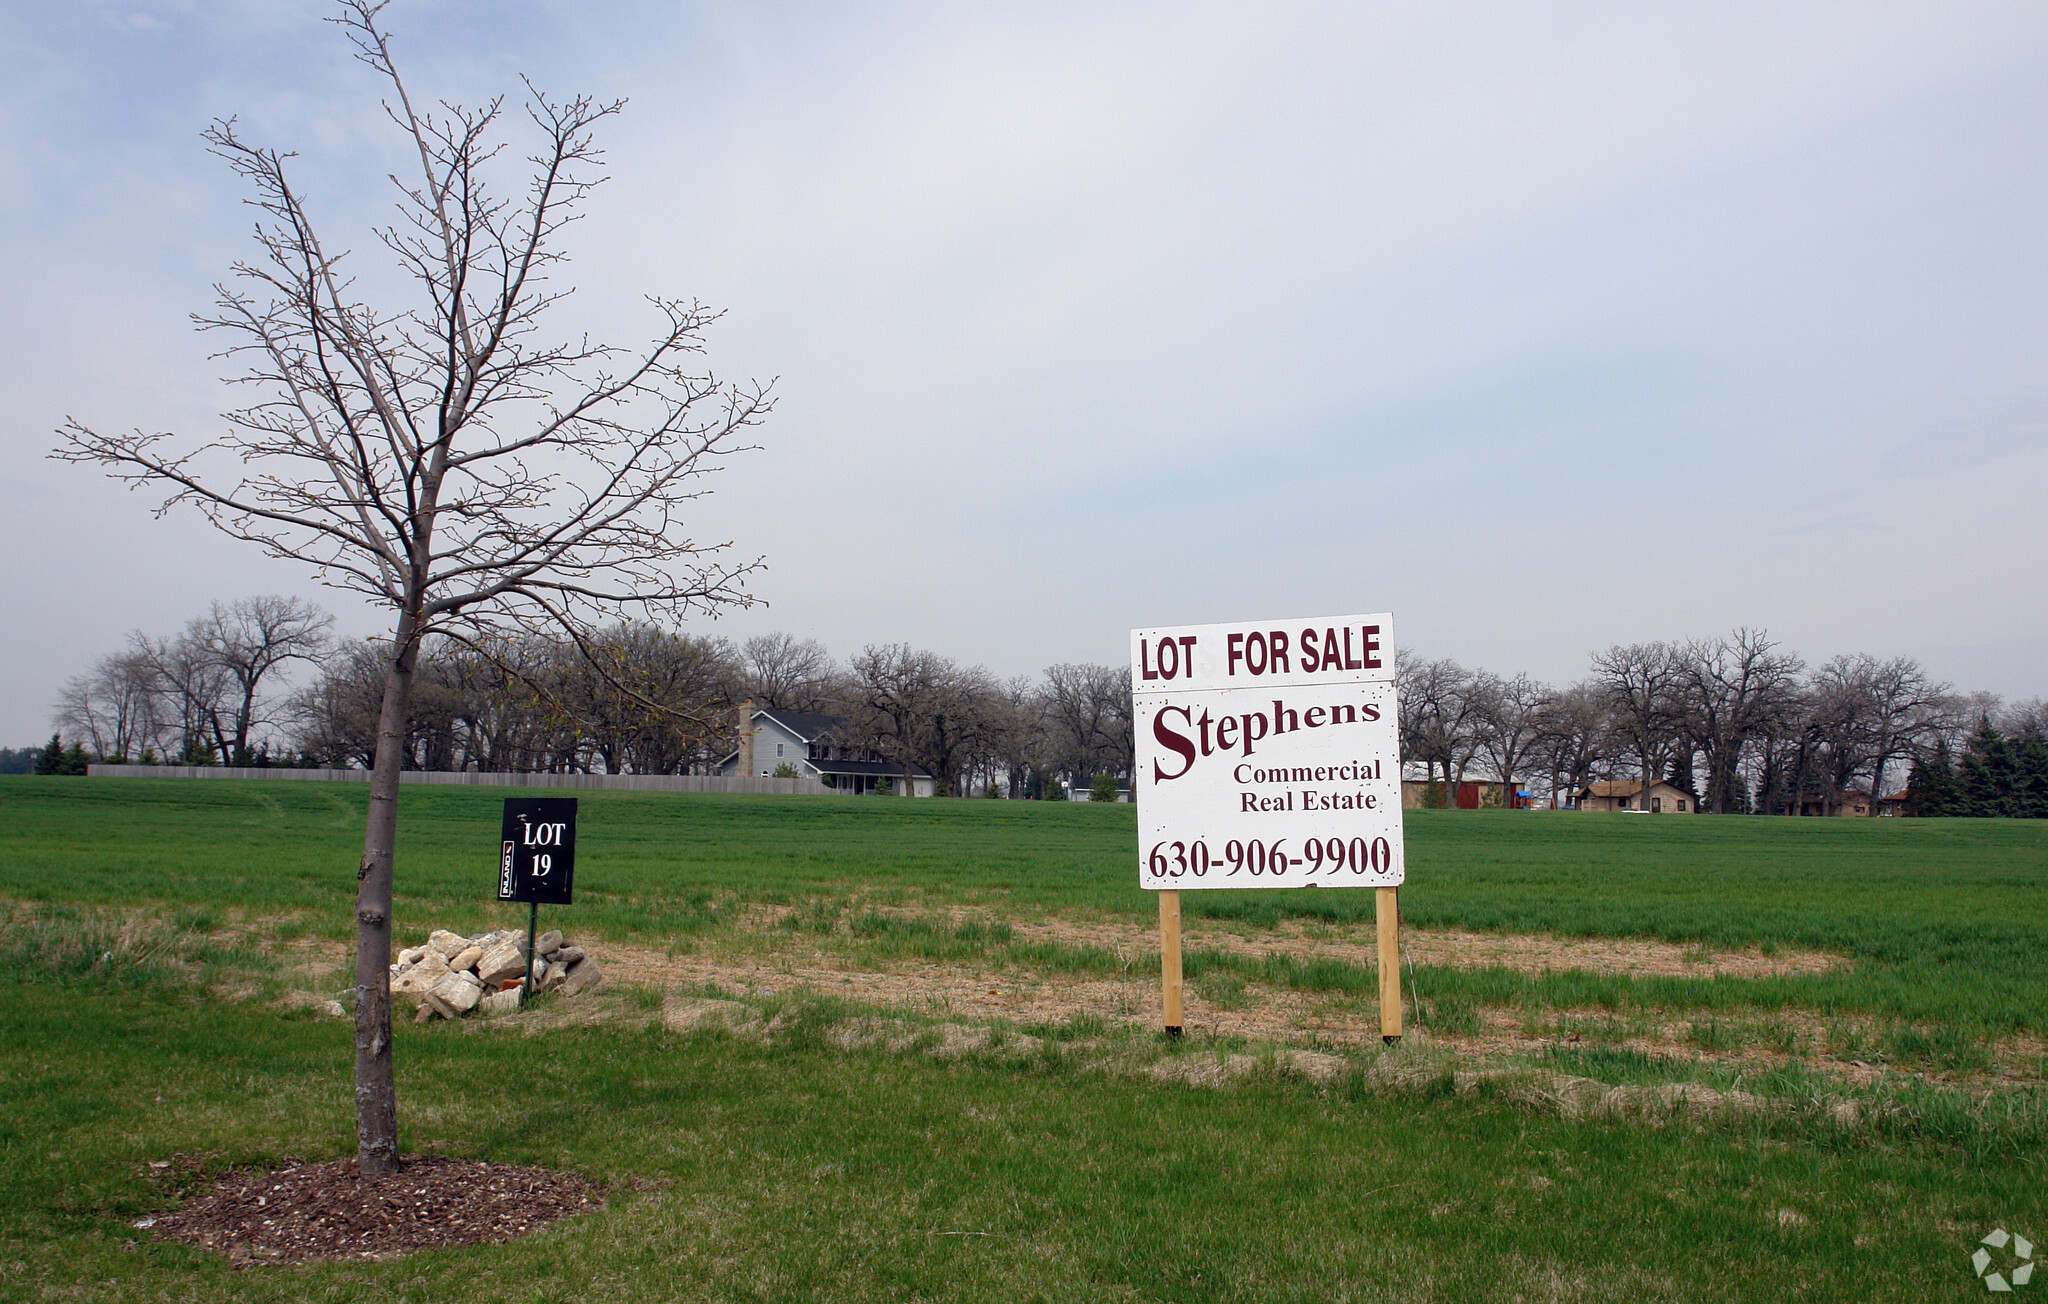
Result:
{"points": [[801, 723], [1624, 787]]}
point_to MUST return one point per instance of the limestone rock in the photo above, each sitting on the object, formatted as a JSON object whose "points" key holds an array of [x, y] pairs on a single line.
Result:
{"points": [[431, 1005], [505, 1002], [458, 991], [466, 958], [548, 943], [412, 955], [445, 944], [502, 961], [569, 955], [422, 976], [582, 976], [556, 975]]}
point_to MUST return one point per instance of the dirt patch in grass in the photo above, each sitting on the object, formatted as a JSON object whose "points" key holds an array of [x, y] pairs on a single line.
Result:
{"points": [[769, 958], [1449, 947], [308, 1212]]}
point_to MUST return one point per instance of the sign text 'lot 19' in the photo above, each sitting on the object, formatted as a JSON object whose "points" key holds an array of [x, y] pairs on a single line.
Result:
{"points": [[1268, 754], [537, 851]]}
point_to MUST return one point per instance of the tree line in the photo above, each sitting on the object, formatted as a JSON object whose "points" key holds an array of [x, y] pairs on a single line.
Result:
{"points": [[1739, 721], [626, 699]]}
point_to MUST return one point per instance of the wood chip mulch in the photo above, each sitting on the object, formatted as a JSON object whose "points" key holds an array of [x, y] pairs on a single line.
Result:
{"points": [[309, 1212]]}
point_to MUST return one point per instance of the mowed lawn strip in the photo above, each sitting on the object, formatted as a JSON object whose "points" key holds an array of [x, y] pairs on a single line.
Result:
{"points": [[1947, 920], [737, 1170]]}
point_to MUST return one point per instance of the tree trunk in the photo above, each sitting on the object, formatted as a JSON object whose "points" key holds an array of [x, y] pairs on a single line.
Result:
{"points": [[376, 1090]]}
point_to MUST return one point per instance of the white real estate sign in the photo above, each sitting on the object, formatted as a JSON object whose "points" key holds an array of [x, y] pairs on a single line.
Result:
{"points": [[1268, 754]]}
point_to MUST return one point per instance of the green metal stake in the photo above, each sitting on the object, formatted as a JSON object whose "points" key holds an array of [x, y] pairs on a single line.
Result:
{"points": [[532, 918]]}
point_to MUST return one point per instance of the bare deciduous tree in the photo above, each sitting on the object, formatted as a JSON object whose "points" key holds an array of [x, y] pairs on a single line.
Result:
{"points": [[190, 683], [1731, 692], [1640, 683], [1510, 726], [113, 707], [248, 639], [469, 473], [918, 708], [1439, 723], [1087, 714], [1572, 733], [784, 673]]}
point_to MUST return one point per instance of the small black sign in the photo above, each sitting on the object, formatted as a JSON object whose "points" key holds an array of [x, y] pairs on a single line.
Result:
{"points": [[537, 860]]}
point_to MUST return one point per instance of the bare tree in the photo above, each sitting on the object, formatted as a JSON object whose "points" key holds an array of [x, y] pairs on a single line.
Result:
{"points": [[1903, 712], [2025, 721], [1439, 718], [1087, 714], [1731, 692], [334, 718], [113, 706], [1572, 731], [918, 708], [248, 639], [1509, 725], [692, 681], [1639, 682], [784, 673], [1019, 746], [190, 683], [448, 460]]}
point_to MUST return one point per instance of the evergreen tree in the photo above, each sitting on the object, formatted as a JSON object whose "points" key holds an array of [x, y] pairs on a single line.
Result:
{"points": [[2031, 789], [1931, 788], [51, 759], [1989, 774], [74, 761]]}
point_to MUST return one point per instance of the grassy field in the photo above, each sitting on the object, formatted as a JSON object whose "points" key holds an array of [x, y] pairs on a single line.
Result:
{"points": [[1946, 920], [156, 932]]}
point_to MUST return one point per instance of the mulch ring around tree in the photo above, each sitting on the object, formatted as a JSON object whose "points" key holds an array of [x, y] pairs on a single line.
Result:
{"points": [[307, 1212]]}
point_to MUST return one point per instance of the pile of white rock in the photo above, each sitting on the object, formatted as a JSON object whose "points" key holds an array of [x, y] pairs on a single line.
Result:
{"points": [[453, 975]]}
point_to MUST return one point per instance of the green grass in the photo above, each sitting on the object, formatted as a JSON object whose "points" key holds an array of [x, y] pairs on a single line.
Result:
{"points": [[792, 1171], [738, 1171], [1947, 919]]}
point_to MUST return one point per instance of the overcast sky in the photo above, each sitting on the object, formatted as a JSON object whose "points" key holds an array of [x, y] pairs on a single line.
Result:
{"points": [[1542, 327]]}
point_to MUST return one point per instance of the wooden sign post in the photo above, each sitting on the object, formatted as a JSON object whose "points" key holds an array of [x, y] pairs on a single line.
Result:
{"points": [[1268, 756], [1169, 958], [537, 862], [1387, 914]]}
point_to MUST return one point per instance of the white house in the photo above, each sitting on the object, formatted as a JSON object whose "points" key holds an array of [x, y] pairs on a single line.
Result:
{"points": [[1079, 791], [801, 741]]}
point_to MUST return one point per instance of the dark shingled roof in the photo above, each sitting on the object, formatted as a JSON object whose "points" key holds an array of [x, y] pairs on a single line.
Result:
{"points": [[802, 723]]}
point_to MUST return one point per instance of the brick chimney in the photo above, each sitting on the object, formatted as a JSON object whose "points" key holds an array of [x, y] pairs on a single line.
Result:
{"points": [[745, 769]]}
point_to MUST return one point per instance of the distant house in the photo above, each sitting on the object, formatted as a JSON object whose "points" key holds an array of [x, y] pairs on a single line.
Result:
{"points": [[1472, 794], [1894, 805], [1080, 791], [1627, 794], [802, 741], [1852, 804]]}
